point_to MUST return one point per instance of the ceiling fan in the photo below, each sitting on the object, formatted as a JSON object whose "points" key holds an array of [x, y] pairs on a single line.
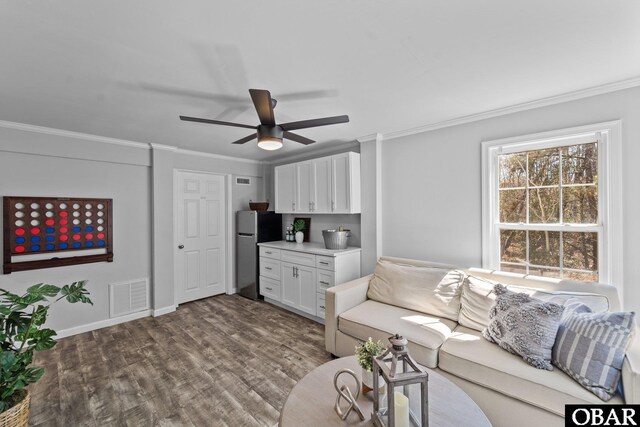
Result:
{"points": [[270, 134]]}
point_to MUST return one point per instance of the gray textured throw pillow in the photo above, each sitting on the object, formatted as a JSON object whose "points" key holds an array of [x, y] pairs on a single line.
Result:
{"points": [[590, 347], [524, 326]]}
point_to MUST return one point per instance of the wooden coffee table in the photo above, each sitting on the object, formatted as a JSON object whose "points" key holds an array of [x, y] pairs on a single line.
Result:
{"points": [[311, 401]]}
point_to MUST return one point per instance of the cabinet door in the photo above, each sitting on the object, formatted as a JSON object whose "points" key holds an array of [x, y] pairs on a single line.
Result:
{"points": [[340, 183], [304, 188], [307, 281], [290, 285], [321, 181], [284, 180]]}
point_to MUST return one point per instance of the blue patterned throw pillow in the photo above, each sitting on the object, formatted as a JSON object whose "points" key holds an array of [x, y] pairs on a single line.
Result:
{"points": [[524, 326], [590, 347]]}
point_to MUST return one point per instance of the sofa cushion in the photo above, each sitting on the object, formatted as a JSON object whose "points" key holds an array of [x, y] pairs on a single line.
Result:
{"points": [[590, 347], [430, 290], [379, 321], [477, 298], [468, 355]]}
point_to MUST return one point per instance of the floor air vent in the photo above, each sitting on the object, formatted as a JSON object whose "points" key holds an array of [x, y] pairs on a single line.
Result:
{"points": [[128, 297]]}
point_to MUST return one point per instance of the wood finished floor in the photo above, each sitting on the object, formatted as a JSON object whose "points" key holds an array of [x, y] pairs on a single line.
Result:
{"points": [[220, 361]]}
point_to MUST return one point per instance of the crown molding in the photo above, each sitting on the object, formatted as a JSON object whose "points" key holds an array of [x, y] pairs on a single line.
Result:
{"points": [[218, 156], [164, 147], [369, 138], [544, 102], [71, 134]]}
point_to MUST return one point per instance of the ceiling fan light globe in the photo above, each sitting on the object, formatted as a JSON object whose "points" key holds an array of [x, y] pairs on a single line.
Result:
{"points": [[270, 144]]}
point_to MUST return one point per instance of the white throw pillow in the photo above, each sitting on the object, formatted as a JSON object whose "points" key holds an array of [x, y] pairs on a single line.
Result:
{"points": [[430, 290]]}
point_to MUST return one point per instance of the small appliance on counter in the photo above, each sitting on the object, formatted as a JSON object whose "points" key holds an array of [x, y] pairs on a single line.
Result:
{"points": [[336, 239], [253, 227]]}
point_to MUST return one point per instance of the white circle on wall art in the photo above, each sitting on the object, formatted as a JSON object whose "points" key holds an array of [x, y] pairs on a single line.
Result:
{"points": [[76, 221], [88, 213], [35, 214], [48, 206], [35, 222], [63, 206], [76, 214], [76, 206], [19, 205], [100, 220], [100, 206], [100, 213], [88, 206], [34, 206], [19, 214], [100, 228], [19, 223], [49, 214], [88, 221]]}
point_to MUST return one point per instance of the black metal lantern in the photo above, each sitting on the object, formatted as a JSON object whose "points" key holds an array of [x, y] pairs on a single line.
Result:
{"points": [[406, 402]]}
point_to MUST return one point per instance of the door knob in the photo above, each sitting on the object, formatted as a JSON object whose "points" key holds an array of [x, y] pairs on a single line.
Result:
{"points": [[181, 247]]}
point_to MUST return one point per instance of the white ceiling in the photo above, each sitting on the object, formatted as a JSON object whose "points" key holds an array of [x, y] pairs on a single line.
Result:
{"points": [[126, 69]]}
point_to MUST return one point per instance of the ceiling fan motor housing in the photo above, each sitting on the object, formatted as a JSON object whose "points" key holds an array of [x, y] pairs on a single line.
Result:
{"points": [[265, 131]]}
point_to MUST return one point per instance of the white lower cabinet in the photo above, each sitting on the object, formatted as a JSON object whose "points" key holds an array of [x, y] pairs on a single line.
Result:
{"points": [[299, 279]]}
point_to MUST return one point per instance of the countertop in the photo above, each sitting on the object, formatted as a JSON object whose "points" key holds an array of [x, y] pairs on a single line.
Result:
{"points": [[309, 247]]}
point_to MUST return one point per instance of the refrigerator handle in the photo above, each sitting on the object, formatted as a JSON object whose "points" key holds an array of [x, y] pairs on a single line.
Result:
{"points": [[246, 234]]}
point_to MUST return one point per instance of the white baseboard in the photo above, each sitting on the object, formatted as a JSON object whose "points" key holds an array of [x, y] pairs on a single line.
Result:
{"points": [[163, 310], [102, 324]]}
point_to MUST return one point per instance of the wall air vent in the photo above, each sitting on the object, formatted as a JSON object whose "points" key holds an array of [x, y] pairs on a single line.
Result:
{"points": [[242, 180], [128, 297]]}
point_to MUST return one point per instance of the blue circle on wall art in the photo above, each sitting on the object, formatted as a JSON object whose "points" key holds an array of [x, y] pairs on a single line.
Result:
{"points": [[35, 239], [89, 228], [88, 244], [50, 238], [50, 230], [35, 247], [100, 242], [63, 246], [50, 246], [77, 244], [20, 240], [76, 229]]}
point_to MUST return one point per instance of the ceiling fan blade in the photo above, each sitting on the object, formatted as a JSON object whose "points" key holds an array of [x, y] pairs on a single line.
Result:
{"points": [[215, 122], [297, 138], [264, 106], [314, 123], [246, 139]]}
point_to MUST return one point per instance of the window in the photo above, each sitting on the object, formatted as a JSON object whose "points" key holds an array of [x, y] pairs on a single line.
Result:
{"points": [[550, 204]]}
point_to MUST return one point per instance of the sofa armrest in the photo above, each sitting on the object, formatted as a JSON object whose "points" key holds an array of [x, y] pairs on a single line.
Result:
{"points": [[631, 371], [339, 299]]}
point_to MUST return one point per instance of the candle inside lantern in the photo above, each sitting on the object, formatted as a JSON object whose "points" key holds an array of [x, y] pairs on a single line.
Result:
{"points": [[401, 406]]}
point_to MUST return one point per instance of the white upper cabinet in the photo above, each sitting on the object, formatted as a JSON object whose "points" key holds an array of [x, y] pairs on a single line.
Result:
{"points": [[324, 185]]}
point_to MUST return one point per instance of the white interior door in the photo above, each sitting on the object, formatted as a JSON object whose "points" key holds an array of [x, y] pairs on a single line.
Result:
{"points": [[201, 228]]}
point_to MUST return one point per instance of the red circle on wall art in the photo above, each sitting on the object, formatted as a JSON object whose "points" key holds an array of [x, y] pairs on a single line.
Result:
{"points": [[19, 231], [35, 231], [49, 222], [63, 222], [64, 214], [63, 230], [89, 236], [19, 249], [64, 238], [76, 237], [100, 235]]}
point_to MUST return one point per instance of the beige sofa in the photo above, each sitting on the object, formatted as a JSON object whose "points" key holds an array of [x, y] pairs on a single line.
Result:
{"points": [[502, 384]]}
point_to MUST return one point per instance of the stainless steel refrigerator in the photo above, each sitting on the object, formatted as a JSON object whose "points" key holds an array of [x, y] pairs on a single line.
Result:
{"points": [[253, 227]]}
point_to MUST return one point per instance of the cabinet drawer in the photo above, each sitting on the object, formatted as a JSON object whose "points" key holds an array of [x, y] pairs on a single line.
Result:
{"points": [[270, 252], [300, 258], [270, 288], [325, 281], [270, 268], [320, 305], [325, 262]]}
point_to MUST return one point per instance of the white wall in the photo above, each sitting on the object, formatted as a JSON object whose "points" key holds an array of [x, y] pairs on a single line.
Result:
{"points": [[431, 182]]}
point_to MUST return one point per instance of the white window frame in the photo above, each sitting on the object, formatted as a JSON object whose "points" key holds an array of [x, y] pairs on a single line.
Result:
{"points": [[610, 244]]}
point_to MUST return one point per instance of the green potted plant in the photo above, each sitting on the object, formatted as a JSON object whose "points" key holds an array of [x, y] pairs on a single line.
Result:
{"points": [[298, 226], [365, 353], [22, 333]]}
